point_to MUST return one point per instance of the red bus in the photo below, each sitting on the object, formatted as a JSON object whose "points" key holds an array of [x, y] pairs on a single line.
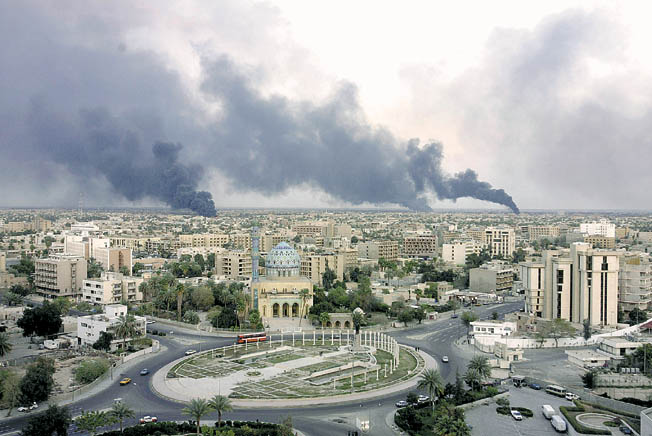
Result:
{"points": [[252, 337]]}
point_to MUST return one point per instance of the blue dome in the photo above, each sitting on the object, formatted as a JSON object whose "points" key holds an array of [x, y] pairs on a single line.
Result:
{"points": [[283, 261]]}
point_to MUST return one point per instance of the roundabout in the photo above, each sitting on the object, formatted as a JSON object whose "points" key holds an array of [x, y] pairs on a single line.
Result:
{"points": [[296, 371]]}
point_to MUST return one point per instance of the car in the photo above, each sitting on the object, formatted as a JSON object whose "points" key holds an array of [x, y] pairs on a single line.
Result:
{"points": [[117, 400], [535, 386], [625, 430], [28, 408], [423, 399], [144, 371], [146, 419], [454, 315], [402, 403], [125, 381], [190, 352], [516, 415], [150, 322], [444, 359], [571, 396]]}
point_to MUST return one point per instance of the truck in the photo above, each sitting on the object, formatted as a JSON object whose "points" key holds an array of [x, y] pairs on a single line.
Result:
{"points": [[558, 423], [547, 411]]}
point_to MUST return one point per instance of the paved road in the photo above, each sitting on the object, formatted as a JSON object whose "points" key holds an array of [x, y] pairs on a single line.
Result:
{"points": [[436, 338]]}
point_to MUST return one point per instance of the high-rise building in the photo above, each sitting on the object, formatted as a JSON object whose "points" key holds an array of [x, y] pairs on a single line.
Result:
{"points": [[387, 250], [602, 228], [114, 259], [233, 264], [578, 284], [501, 241], [60, 275], [420, 246], [203, 240], [538, 232], [313, 266], [495, 276], [635, 282]]}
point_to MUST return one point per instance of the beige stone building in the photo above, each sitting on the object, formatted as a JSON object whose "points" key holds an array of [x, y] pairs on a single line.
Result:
{"points": [[60, 276], [599, 241], [313, 266], [501, 241], [495, 276], [233, 264], [456, 252], [112, 288], [635, 282], [538, 232], [203, 240], [420, 246], [387, 250], [114, 259]]}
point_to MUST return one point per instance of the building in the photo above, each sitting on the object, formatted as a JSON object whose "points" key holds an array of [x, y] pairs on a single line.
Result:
{"points": [[233, 264], [456, 252], [602, 228], [387, 250], [477, 234], [60, 275], [538, 232], [241, 241], [599, 241], [114, 259], [492, 276], [90, 327], [635, 282], [207, 240], [112, 288], [420, 246], [350, 257], [578, 284], [313, 266], [84, 245], [493, 327], [501, 241], [279, 293]]}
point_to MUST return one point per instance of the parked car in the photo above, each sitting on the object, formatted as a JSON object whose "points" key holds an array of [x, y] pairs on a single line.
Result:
{"points": [[150, 321], [125, 381], [625, 430], [402, 403], [444, 359], [571, 396], [454, 315], [189, 352], [547, 411], [423, 399], [558, 423], [144, 371], [32, 406], [535, 386], [516, 415], [146, 419]]}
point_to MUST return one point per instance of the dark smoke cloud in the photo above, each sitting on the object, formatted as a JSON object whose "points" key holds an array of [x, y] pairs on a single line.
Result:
{"points": [[268, 144]]}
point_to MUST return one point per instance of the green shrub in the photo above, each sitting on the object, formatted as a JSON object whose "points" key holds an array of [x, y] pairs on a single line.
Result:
{"points": [[569, 414], [90, 370]]}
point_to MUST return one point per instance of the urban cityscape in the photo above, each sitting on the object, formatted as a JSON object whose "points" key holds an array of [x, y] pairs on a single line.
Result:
{"points": [[219, 219]]}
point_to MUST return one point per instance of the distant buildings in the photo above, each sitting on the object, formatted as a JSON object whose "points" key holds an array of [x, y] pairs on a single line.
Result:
{"points": [[60, 275], [599, 241], [494, 276], [420, 246], [601, 228], [538, 232], [501, 241], [387, 250]]}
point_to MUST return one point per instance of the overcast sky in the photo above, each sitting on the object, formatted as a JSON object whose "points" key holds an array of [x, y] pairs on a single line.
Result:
{"points": [[313, 104]]}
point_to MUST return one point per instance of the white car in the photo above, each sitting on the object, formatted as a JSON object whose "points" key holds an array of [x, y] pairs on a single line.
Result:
{"points": [[146, 419], [189, 352], [516, 415], [423, 399], [444, 359], [402, 403], [33, 406], [150, 321], [571, 396]]}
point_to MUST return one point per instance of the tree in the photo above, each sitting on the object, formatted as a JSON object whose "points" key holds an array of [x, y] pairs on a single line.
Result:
{"points": [[420, 314], [494, 315], [191, 317], [55, 420], [63, 304], [358, 319], [472, 378], [354, 240], [637, 316], [41, 321], [586, 324], [11, 391], [91, 421], [197, 408], [303, 294], [5, 345], [137, 268], [467, 318], [324, 317], [588, 378], [255, 319], [90, 369], [406, 316], [202, 298], [126, 328], [180, 291], [328, 278], [104, 341], [558, 328], [13, 299], [120, 411], [220, 404], [431, 381], [20, 290], [480, 365], [38, 381], [93, 268], [454, 305]]}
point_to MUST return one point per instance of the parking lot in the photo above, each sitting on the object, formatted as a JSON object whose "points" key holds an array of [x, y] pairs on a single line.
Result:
{"points": [[487, 422]]}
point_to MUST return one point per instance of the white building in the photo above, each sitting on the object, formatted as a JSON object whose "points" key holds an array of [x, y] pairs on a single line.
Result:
{"points": [[490, 327], [456, 252], [112, 288], [500, 240], [601, 228], [90, 327]]}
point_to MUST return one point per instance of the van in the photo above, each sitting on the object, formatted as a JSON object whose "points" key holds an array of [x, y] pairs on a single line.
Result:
{"points": [[547, 411], [558, 423]]}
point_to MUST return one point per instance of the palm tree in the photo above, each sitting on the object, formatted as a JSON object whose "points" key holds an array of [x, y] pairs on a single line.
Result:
{"points": [[431, 381], [241, 306], [304, 294], [220, 404], [120, 411], [472, 378], [358, 320], [197, 408], [5, 345], [180, 290], [324, 317], [480, 364], [126, 328]]}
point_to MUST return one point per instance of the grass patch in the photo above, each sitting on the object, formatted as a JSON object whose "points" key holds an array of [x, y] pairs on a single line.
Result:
{"points": [[570, 414]]}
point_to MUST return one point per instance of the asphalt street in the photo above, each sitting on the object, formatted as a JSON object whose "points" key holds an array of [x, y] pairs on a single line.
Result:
{"points": [[435, 338]]}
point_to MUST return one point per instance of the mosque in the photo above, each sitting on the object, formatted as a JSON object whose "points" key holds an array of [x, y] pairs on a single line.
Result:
{"points": [[278, 294]]}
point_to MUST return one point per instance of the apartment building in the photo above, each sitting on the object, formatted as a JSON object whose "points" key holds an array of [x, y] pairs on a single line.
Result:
{"points": [[420, 246], [60, 275], [501, 241], [241, 241], [578, 284], [538, 232], [350, 257], [90, 327], [495, 276], [602, 228], [456, 252], [387, 250], [233, 264], [267, 242], [114, 259], [84, 245], [477, 234], [112, 288], [313, 266], [635, 282], [599, 241], [203, 240], [310, 229]]}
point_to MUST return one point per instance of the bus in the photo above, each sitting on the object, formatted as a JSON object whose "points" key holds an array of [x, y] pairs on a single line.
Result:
{"points": [[556, 390], [252, 337]]}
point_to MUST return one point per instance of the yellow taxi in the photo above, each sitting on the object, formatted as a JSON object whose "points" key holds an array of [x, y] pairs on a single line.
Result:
{"points": [[125, 381]]}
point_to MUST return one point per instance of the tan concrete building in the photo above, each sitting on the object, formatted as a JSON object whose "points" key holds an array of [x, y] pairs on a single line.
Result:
{"points": [[203, 240], [635, 282], [233, 264], [114, 259], [240, 241], [456, 252], [420, 246], [501, 241], [112, 288], [533, 278], [350, 257], [477, 234], [495, 276], [599, 241], [60, 276], [313, 266], [538, 232], [387, 250]]}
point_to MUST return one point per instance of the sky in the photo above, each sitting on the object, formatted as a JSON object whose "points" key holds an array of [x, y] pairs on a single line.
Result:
{"points": [[326, 104]]}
